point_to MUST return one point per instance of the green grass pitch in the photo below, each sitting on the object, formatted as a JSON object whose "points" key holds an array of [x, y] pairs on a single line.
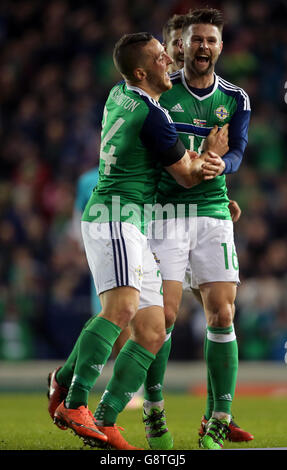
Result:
{"points": [[26, 424]]}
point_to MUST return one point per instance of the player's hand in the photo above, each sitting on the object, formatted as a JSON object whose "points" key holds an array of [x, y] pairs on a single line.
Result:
{"points": [[212, 166], [235, 211], [193, 155], [217, 140]]}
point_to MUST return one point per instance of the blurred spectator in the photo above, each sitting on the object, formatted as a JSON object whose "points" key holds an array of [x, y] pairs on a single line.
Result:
{"points": [[55, 72]]}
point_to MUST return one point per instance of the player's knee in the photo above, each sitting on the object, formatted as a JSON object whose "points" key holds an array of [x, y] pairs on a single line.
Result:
{"points": [[151, 337], [157, 339], [170, 313], [221, 316], [126, 313], [122, 314]]}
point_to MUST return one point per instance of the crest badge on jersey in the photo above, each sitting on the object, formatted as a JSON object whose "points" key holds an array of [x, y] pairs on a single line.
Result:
{"points": [[221, 113]]}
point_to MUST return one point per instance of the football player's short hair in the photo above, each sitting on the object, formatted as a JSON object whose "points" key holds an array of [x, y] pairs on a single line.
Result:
{"points": [[204, 16], [175, 22], [127, 53]]}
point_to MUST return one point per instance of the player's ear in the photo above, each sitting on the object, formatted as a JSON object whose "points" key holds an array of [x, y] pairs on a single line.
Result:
{"points": [[221, 46], [139, 74]]}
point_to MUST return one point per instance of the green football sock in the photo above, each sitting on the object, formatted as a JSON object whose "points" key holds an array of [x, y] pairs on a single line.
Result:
{"points": [[222, 364], [209, 397], [94, 350], [65, 374], [129, 373], [155, 375]]}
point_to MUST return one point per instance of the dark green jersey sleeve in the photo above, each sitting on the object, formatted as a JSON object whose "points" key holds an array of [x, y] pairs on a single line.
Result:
{"points": [[159, 135]]}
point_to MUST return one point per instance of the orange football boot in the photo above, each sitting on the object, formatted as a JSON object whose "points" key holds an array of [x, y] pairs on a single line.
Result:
{"points": [[56, 394], [115, 439], [82, 422]]}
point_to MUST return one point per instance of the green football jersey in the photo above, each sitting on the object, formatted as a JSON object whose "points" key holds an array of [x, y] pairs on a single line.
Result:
{"points": [[194, 115], [138, 138]]}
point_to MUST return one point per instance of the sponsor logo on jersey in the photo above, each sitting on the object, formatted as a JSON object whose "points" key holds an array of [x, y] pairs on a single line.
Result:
{"points": [[177, 108], [221, 113], [199, 122]]}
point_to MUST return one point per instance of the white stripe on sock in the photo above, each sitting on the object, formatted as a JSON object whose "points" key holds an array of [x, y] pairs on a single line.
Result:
{"points": [[221, 338], [167, 337]]}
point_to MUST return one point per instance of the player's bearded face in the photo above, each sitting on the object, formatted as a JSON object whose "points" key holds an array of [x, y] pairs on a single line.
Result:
{"points": [[202, 47]]}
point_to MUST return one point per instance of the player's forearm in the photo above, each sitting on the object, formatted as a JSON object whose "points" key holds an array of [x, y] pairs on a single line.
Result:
{"points": [[187, 172], [238, 138], [232, 160], [194, 172], [191, 169]]}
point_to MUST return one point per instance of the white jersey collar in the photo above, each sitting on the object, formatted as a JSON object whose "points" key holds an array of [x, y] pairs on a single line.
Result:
{"points": [[200, 98], [140, 91]]}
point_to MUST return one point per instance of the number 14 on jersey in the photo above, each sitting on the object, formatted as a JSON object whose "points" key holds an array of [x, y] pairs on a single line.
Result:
{"points": [[109, 157]]}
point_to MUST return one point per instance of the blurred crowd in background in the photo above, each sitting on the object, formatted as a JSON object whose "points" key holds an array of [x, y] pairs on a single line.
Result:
{"points": [[56, 70]]}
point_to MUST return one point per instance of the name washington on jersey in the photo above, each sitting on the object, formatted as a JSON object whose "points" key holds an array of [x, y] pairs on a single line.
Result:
{"points": [[123, 100]]}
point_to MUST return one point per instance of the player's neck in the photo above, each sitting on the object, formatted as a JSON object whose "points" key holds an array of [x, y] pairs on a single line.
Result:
{"points": [[195, 81], [147, 89], [151, 92]]}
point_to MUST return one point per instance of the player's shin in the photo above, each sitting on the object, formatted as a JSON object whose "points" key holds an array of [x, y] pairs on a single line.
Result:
{"points": [[94, 350], [222, 364], [130, 371], [209, 397], [157, 433], [156, 372]]}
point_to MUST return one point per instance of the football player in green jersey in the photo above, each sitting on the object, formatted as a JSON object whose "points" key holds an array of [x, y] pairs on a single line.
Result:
{"points": [[192, 102], [138, 140], [171, 34]]}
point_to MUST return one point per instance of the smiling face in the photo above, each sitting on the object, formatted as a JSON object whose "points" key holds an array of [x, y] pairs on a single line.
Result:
{"points": [[156, 65], [202, 45]]}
